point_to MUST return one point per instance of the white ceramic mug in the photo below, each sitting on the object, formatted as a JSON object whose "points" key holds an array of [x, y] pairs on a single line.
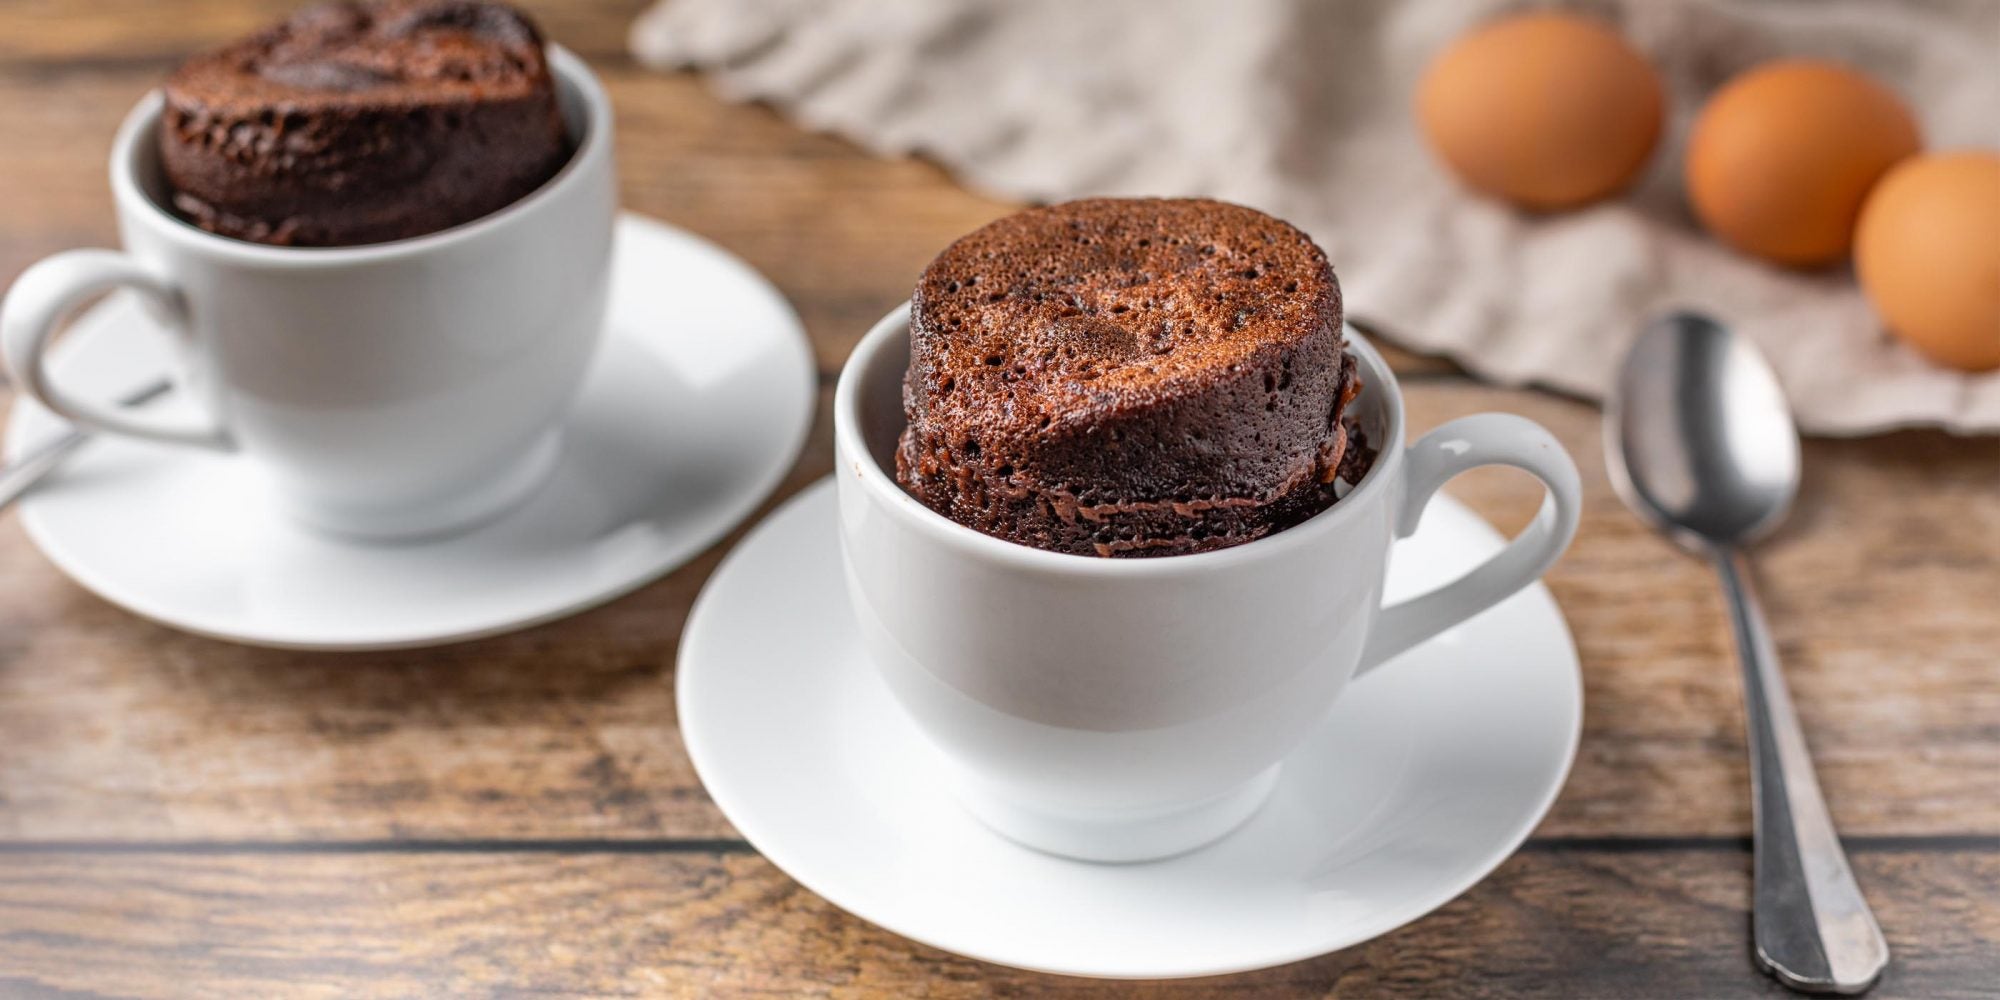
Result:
{"points": [[1127, 709], [390, 390]]}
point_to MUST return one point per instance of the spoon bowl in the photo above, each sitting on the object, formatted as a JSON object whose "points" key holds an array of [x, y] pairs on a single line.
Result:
{"points": [[1700, 442]]}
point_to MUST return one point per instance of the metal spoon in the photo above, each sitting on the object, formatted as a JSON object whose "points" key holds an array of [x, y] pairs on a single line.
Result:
{"points": [[44, 458], [1700, 443]]}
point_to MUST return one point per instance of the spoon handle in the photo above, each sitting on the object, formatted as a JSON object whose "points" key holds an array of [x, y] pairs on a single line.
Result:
{"points": [[1813, 928], [42, 459]]}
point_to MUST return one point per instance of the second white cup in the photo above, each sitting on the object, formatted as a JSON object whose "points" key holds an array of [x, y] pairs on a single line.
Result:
{"points": [[392, 390]]}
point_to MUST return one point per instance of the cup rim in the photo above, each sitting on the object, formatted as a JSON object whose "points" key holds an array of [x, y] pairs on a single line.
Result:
{"points": [[889, 494], [142, 122]]}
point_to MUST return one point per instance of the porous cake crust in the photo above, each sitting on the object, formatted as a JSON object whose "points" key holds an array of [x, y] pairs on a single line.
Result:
{"points": [[357, 123], [1127, 377]]}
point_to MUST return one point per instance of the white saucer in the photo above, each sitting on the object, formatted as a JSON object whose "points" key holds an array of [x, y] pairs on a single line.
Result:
{"points": [[697, 406], [1468, 738]]}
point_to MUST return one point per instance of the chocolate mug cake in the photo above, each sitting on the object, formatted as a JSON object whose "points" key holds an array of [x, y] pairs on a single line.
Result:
{"points": [[353, 123], [1128, 377]]}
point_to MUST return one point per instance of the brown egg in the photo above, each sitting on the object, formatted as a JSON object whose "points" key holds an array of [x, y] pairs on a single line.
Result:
{"points": [[1928, 254], [1780, 159], [1546, 110]]}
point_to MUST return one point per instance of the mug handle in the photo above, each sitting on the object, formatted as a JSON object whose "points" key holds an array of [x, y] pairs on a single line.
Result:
{"points": [[45, 295], [1462, 444]]}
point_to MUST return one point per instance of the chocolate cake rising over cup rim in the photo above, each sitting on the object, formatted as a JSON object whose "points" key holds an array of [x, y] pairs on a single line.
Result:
{"points": [[1127, 377], [355, 123]]}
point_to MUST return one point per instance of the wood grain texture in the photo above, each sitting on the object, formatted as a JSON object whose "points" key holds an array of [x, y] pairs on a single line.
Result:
{"points": [[1573, 923], [182, 817]]}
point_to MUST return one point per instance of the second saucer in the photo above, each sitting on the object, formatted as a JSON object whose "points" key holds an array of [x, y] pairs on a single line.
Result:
{"points": [[698, 403]]}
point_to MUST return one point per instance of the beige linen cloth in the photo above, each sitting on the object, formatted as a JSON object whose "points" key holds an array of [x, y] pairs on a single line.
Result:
{"points": [[1301, 108]]}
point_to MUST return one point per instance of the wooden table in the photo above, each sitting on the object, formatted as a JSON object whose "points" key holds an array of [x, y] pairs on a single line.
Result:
{"points": [[182, 817]]}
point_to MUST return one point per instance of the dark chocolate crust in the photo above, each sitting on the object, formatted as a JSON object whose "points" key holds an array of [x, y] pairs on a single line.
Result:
{"points": [[356, 123], [1127, 377]]}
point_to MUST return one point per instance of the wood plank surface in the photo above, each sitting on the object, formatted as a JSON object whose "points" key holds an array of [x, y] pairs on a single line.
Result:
{"points": [[1551, 922], [516, 816]]}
